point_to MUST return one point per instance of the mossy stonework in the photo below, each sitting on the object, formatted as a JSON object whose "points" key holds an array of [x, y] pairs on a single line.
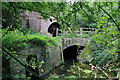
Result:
{"points": [[47, 50], [50, 60]]}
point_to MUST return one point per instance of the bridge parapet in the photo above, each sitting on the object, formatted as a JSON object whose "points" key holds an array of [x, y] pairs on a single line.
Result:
{"points": [[74, 41], [82, 31]]}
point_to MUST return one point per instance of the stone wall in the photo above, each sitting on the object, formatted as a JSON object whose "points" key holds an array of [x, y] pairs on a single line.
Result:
{"points": [[16, 68], [52, 59], [55, 56], [35, 22]]}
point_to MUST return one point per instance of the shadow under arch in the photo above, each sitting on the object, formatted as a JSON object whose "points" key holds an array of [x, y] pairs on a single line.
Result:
{"points": [[70, 54], [52, 29]]}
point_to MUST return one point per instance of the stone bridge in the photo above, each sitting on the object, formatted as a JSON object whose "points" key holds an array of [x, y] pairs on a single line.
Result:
{"points": [[71, 47], [66, 42]]}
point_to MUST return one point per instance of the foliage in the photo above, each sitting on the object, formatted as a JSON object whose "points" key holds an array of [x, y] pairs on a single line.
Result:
{"points": [[81, 70], [68, 14], [12, 10], [77, 12], [105, 43], [16, 40], [54, 77]]}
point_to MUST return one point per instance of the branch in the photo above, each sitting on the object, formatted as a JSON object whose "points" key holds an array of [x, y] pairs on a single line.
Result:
{"points": [[110, 17]]}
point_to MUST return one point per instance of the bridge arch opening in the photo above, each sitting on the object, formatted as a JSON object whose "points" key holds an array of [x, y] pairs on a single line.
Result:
{"points": [[54, 29], [70, 55]]}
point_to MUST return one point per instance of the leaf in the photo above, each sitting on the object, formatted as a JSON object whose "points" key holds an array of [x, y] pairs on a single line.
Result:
{"points": [[87, 71]]}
